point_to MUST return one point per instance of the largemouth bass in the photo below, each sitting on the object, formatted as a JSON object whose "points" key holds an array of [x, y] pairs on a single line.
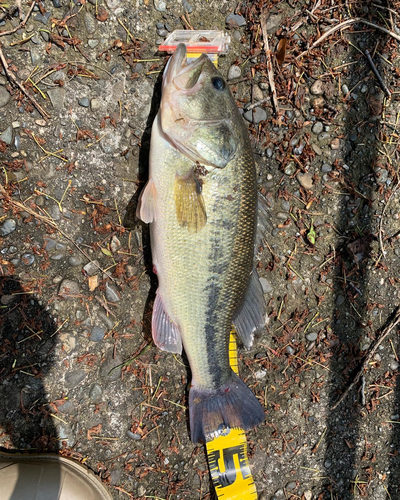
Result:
{"points": [[201, 201]]}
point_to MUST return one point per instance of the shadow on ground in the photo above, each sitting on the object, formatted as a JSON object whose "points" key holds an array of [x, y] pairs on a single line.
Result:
{"points": [[27, 340], [351, 332]]}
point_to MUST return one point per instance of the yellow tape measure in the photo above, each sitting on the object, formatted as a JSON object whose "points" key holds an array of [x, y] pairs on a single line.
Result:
{"points": [[227, 455]]}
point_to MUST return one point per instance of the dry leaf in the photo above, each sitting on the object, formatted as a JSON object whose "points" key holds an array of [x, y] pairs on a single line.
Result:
{"points": [[93, 282], [281, 51], [102, 15], [93, 431]]}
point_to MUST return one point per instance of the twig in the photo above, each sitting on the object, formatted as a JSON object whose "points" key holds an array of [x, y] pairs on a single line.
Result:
{"points": [[254, 105], [263, 22], [377, 75], [385, 332], [346, 24], [14, 80], [22, 23]]}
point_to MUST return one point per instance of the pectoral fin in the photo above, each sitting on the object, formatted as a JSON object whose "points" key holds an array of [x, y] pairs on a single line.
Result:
{"points": [[166, 334], [147, 204], [251, 317], [189, 202]]}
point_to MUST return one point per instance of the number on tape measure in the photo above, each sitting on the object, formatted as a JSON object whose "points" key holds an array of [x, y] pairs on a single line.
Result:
{"points": [[229, 466]]}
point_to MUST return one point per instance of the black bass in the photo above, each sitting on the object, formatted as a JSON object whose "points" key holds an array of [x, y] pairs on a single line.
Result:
{"points": [[201, 201]]}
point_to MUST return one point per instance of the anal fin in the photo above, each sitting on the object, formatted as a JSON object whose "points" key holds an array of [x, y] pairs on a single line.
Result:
{"points": [[250, 319], [165, 332], [189, 202]]}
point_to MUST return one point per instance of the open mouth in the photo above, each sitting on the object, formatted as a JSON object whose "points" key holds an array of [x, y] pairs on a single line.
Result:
{"points": [[178, 72]]}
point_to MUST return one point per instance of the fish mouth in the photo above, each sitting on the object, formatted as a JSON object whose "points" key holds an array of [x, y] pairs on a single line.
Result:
{"points": [[182, 75]]}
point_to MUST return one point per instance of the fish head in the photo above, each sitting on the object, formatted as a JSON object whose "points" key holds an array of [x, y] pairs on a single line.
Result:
{"points": [[198, 113]]}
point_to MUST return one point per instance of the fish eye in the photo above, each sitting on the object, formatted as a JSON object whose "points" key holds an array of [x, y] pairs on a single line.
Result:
{"points": [[218, 83]]}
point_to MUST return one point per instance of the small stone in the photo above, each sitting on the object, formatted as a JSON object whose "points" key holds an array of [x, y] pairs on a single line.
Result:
{"points": [[317, 149], [111, 293], [381, 175], [394, 365], [28, 259], [248, 115], [258, 95], [110, 369], [311, 337], [327, 463], [55, 212], [187, 7], [141, 490], [159, 26], [95, 392], [234, 72], [259, 115], [317, 88], [335, 144], [345, 89], [274, 21], [74, 378], [305, 180], [43, 18], [235, 20], [326, 168], [68, 407], [57, 4], [115, 244], [340, 300], [36, 57], [5, 96], [45, 36], [96, 103], [266, 285], [160, 5], [92, 268], [69, 289], [162, 32], [289, 350], [93, 43], [318, 102], [291, 486], [364, 88], [74, 261], [84, 102], [7, 135], [90, 24], [97, 334], [8, 227], [57, 98], [133, 435], [307, 495], [318, 127], [290, 169]]}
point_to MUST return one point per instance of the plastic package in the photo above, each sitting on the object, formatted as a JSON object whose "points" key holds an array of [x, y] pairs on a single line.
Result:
{"points": [[211, 42]]}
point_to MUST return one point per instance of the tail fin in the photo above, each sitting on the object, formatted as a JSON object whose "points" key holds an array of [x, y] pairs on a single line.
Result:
{"points": [[231, 405]]}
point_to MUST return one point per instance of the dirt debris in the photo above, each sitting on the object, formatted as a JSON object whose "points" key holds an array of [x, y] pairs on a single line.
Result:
{"points": [[79, 88]]}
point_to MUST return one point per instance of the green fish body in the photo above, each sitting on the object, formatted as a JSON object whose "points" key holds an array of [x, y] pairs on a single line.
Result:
{"points": [[201, 201]]}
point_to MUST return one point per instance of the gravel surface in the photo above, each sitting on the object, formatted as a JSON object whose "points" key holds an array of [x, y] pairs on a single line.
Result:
{"points": [[78, 372]]}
